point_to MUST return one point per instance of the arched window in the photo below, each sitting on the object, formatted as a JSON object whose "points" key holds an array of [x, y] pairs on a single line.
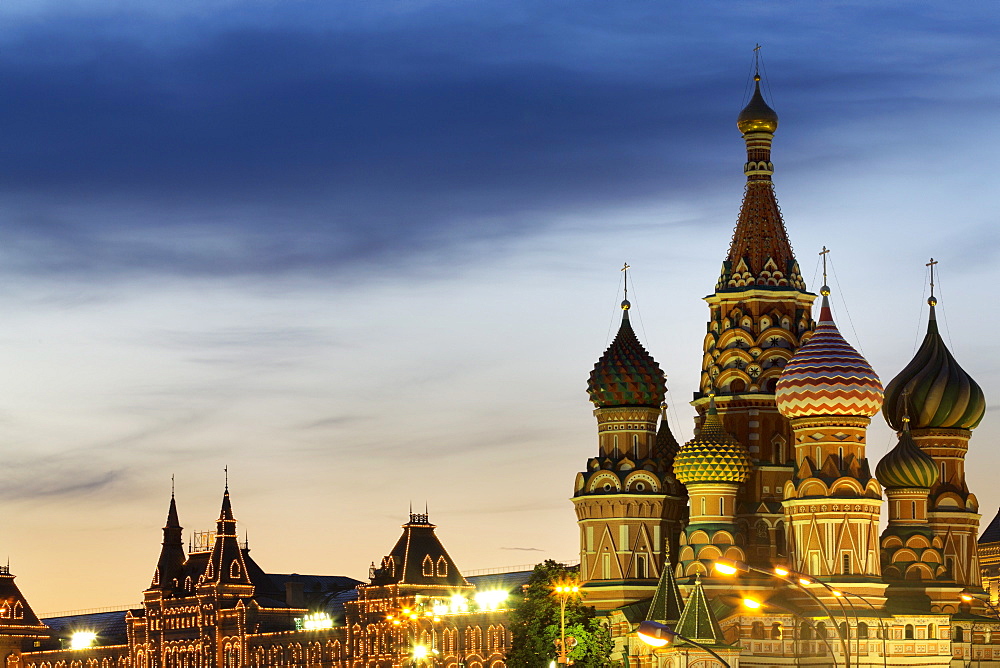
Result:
{"points": [[442, 567], [908, 632], [844, 631], [722, 505], [958, 634], [776, 631], [821, 630], [757, 630], [428, 566], [862, 631], [805, 631], [930, 631], [779, 539], [641, 567], [234, 570], [846, 558]]}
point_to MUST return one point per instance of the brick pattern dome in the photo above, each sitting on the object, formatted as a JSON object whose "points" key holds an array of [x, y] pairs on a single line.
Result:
{"points": [[713, 455], [626, 375]]}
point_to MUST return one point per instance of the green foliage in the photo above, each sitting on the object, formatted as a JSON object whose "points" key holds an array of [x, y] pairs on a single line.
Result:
{"points": [[535, 625]]}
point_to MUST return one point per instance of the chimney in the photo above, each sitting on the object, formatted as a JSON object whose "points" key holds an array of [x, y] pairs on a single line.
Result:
{"points": [[295, 594]]}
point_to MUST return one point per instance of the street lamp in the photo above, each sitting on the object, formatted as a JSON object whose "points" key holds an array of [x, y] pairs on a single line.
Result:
{"points": [[799, 580], [968, 597], [563, 591], [655, 634]]}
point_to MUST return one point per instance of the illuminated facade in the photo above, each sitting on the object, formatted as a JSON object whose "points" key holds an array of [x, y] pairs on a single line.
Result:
{"points": [[215, 607], [777, 475]]}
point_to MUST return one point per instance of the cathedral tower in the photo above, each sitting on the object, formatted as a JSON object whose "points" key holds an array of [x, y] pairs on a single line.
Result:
{"points": [[759, 315], [944, 404], [829, 392], [628, 503]]}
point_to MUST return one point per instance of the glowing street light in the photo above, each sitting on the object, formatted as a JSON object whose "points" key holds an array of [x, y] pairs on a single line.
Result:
{"points": [[82, 640], [564, 590], [655, 634]]}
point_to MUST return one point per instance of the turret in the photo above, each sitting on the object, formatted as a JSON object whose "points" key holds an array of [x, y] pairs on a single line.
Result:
{"points": [[628, 504], [168, 576]]}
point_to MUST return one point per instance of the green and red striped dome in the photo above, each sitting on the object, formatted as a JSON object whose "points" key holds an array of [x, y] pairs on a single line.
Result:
{"points": [[906, 465], [827, 376]]}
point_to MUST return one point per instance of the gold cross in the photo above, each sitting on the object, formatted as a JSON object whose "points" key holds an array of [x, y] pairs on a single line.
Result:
{"points": [[823, 253], [625, 268], [931, 265], [756, 59]]}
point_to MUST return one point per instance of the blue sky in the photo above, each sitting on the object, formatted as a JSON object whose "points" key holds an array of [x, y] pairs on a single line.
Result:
{"points": [[367, 253]]}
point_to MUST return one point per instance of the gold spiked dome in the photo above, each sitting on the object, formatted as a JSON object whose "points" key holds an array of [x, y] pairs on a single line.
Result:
{"points": [[757, 116], [713, 455]]}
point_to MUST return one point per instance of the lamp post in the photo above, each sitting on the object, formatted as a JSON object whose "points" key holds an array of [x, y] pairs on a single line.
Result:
{"points": [[655, 634], [968, 597], [754, 604], [563, 591], [730, 567]]}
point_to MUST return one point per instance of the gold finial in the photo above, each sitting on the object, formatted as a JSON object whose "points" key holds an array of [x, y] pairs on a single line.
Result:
{"points": [[932, 300], [625, 303], [825, 290]]}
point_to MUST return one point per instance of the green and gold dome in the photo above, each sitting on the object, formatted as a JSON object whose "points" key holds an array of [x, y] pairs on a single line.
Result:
{"points": [[713, 455], [757, 116], [626, 375], [906, 465], [933, 389]]}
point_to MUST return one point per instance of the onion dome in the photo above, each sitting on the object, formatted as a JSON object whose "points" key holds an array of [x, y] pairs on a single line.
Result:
{"points": [[626, 375], [933, 389], [713, 455], [827, 376], [757, 116], [906, 465]]}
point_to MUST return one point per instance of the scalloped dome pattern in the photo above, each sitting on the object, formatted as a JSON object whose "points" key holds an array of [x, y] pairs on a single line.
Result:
{"points": [[712, 456], [827, 376], [941, 395], [906, 465], [626, 375]]}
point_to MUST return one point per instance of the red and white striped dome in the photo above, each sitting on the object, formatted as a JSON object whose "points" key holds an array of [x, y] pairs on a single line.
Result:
{"points": [[827, 376]]}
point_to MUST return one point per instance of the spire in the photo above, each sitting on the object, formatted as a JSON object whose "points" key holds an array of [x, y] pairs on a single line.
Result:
{"points": [[171, 562], [697, 621], [226, 569], [760, 255], [941, 395], [666, 445], [667, 602]]}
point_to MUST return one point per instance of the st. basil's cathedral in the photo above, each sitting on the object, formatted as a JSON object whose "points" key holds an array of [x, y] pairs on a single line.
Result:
{"points": [[757, 541]]}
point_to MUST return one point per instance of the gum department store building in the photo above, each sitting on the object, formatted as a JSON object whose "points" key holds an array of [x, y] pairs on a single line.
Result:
{"points": [[775, 475]]}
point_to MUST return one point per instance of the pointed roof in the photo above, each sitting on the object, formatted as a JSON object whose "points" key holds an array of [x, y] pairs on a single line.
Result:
{"points": [[697, 621], [16, 616], [419, 559], [992, 533], [941, 394], [667, 602], [226, 565], [626, 375], [760, 255], [827, 376], [170, 565], [666, 446]]}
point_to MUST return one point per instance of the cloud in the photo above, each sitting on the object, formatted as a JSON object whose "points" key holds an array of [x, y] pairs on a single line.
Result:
{"points": [[524, 549]]}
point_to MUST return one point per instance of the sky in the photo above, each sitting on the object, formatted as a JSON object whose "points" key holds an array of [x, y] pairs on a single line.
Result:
{"points": [[365, 254]]}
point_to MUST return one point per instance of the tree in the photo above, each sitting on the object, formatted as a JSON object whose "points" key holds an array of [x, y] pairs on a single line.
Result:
{"points": [[535, 625]]}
